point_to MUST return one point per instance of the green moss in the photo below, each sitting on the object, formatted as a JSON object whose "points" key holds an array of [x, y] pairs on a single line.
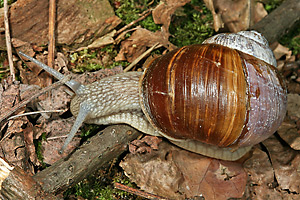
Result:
{"points": [[39, 149], [191, 25], [101, 186], [130, 10], [92, 60], [292, 39], [271, 5]]}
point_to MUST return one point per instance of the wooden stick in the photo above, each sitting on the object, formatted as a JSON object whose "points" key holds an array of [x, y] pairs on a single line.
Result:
{"points": [[35, 112], [8, 42], [51, 34], [278, 22]]}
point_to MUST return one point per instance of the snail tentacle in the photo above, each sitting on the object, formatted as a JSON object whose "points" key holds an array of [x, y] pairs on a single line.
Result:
{"points": [[84, 111], [74, 85]]}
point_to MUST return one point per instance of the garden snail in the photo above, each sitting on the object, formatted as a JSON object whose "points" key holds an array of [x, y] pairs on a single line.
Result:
{"points": [[217, 99]]}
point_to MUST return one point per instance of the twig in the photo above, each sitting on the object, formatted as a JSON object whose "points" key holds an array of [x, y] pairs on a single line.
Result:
{"points": [[33, 113], [51, 33], [8, 42], [23, 103], [144, 15], [138, 192], [57, 137], [156, 45]]}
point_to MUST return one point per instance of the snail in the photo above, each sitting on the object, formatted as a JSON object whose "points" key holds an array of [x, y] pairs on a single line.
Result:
{"points": [[218, 98]]}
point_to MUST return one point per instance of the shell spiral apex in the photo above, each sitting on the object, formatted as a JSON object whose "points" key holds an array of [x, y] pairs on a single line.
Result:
{"points": [[249, 42]]}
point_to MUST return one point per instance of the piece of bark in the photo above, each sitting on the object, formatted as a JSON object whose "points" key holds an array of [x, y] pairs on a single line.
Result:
{"points": [[79, 23], [278, 22], [20, 185], [96, 153]]}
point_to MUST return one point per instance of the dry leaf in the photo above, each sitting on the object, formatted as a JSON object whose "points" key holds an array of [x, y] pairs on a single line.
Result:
{"points": [[285, 162], [261, 176], [155, 173], [211, 178], [140, 39], [288, 130], [235, 15], [138, 42], [100, 42], [175, 173], [13, 145], [146, 144], [163, 12], [57, 132], [35, 75], [280, 51], [30, 148]]}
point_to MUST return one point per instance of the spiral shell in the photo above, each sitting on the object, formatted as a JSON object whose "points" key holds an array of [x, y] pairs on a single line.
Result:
{"points": [[216, 93]]}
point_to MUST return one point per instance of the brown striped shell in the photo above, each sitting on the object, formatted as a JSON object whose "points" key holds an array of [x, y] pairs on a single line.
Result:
{"points": [[213, 94]]}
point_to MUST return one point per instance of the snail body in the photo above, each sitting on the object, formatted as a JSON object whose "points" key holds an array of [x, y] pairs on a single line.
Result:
{"points": [[218, 99]]}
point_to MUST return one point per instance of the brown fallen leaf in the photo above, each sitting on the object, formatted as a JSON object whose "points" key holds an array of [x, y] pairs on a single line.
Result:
{"points": [[12, 143], [34, 75], [177, 174], [29, 145], [138, 42], [56, 132], [235, 15], [285, 162], [154, 172], [141, 39], [146, 144], [162, 13], [261, 182], [280, 51], [289, 130], [211, 178]]}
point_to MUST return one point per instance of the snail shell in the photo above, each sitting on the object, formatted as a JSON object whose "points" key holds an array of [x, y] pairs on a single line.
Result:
{"points": [[225, 92]]}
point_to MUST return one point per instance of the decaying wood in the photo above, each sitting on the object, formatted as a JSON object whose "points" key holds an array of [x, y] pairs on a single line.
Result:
{"points": [[278, 22], [98, 152], [20, 185], [78, 22]]}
